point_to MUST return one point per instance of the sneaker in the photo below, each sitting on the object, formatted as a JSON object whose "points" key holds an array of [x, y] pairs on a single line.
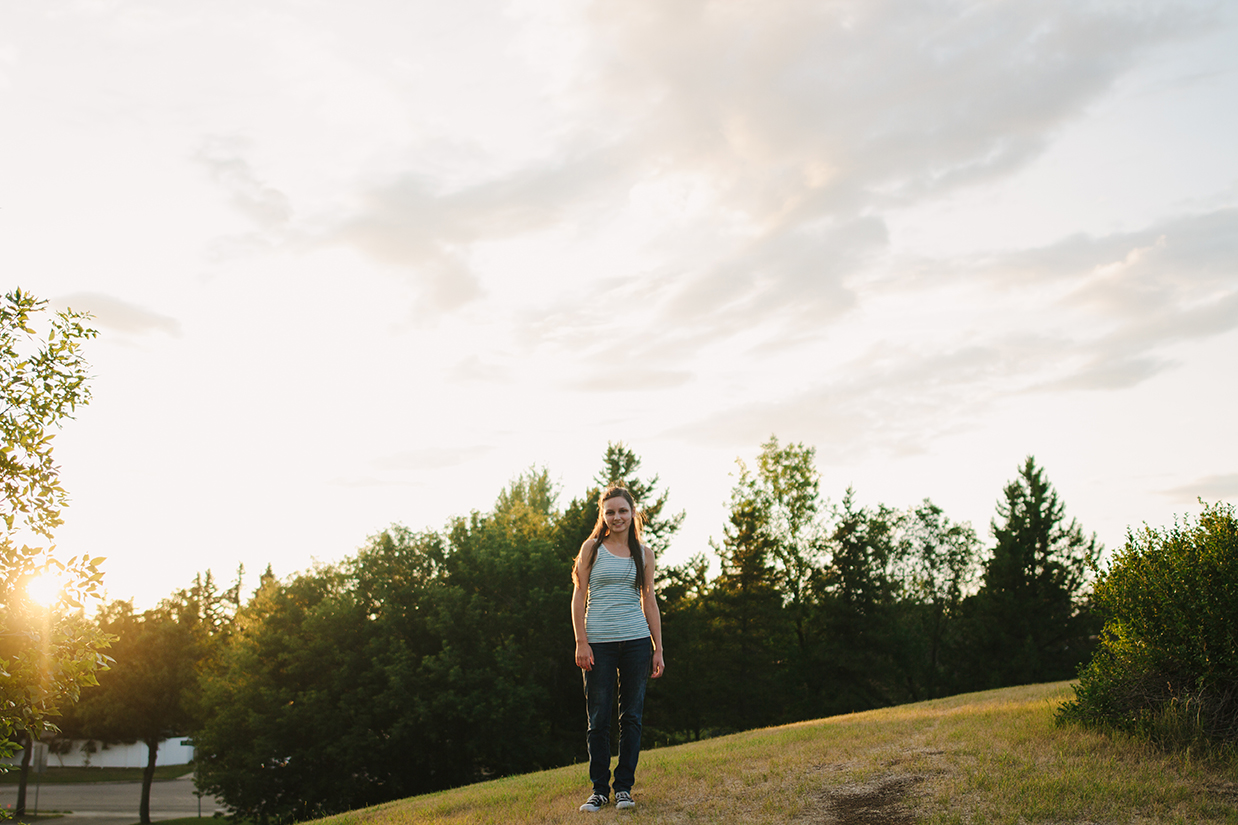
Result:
{"points": [[623, 799], [596, 803]]}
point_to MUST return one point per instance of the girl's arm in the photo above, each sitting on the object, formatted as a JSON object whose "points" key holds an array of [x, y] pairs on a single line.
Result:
{"points": [[649, 604], [584, 653]]}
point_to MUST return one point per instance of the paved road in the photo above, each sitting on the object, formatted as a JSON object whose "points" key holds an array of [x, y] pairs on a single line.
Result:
{"points": [[113, 803]]}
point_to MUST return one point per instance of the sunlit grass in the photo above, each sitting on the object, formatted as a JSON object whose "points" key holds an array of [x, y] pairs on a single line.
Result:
{"points": [[994, 757]]}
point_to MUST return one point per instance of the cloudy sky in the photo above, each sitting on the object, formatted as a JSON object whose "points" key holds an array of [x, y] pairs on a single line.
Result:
{"points": [[362, 263]]}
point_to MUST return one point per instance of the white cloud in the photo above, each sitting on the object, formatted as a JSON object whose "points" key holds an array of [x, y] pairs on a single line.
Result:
{"points": [[119, 315], [431, 458], [631, 377], [269, 208], [1098, 314], [1209, 488], [805, 121]]}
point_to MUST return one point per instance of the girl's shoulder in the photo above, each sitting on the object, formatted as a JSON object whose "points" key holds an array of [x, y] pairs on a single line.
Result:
{"points": [[584, 559]]}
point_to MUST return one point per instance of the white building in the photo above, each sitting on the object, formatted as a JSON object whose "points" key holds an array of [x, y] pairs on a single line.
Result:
{"points": [[178, 751]]}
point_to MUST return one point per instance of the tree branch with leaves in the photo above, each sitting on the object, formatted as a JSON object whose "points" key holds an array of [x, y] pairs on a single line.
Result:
{"points": [[48, 652]]}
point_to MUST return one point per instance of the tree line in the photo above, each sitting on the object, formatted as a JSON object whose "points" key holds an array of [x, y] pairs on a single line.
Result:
{"points": [[430, 659], [436, 658]]}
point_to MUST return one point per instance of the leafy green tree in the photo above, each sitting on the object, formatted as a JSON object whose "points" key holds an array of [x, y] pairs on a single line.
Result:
{"points": [[937, 567], [786, 491], [47, 653], [749, 635], [147, 695], [428, 660], [305, 714], [677, 710], [503, 680], [1167, 663], [41, 388], [1030, 621], [803, 613], [856, 610], [531, 494], [152, 691], [784, 499]]}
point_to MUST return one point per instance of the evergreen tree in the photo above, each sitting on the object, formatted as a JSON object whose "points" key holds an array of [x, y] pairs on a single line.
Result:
{"points": [[620, 466], [1029, 620]]}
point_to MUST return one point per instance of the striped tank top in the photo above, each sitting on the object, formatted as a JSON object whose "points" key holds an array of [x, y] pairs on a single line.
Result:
{"points": [[612, 609]]}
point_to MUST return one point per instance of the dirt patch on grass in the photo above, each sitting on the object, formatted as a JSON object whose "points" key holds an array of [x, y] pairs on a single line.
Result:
{"points": [[888, 798], [879, 801]]}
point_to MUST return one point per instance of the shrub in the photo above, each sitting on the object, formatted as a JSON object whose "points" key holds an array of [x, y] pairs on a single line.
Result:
{"points": [[1167, 663]]}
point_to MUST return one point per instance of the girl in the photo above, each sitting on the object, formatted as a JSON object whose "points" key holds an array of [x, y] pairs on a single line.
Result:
{"points": [[618, 633]]}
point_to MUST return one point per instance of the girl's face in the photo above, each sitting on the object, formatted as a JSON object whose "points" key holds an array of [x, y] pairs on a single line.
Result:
{"points": [[617, 514]]}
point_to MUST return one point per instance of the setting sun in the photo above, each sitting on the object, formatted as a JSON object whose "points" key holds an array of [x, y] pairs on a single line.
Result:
{"points": [[45, 589]]}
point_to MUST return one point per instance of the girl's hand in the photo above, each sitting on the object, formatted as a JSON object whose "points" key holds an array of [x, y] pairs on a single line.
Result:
{"points": [[584, 656], [659, 664]]}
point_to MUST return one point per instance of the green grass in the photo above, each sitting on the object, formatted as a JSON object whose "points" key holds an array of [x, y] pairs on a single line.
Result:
{"points": [[995, 757], [68, 776]]}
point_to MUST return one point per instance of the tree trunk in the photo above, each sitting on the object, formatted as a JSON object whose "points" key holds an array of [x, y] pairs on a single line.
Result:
{"points": [[27, 751], [148, 776]]}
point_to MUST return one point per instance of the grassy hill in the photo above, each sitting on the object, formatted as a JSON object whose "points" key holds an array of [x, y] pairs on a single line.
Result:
{"points": [[993, 757]]}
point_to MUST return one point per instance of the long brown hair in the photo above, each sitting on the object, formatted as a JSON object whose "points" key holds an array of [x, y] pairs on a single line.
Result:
{"points": [[601, 532]]}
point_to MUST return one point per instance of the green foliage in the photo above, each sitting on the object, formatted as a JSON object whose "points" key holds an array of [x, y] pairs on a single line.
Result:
{"points": [[816, 610], [1167, 663], [291, 700], [678, 708], [532, 493], [47, 652], [786, 494]]}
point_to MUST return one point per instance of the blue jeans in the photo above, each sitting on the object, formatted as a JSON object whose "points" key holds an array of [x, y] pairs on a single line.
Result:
{"points": [[630, 661]]}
